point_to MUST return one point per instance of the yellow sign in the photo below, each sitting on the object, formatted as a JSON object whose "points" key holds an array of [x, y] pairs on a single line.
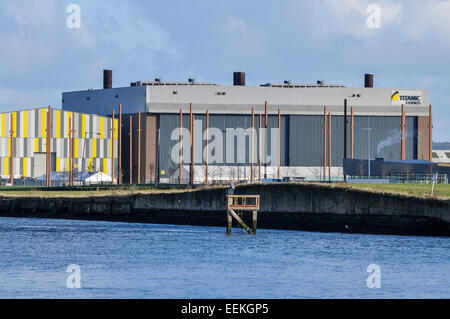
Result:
{"points": [[163, 172]]}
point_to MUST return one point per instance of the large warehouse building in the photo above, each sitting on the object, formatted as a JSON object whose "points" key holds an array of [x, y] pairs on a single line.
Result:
{"points": [[78, 143], [305, 126]]}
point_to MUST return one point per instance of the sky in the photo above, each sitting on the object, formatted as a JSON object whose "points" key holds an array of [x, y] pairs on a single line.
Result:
{"points": [[272, 41]]}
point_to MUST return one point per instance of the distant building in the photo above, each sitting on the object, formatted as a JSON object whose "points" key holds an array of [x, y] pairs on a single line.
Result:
{"points": [[92, 143], [384, 168], [302, 140], [441, 156]]}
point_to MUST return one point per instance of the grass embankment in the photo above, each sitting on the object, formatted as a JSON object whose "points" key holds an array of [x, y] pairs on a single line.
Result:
{"points": [[86, 191], [441, 191]]}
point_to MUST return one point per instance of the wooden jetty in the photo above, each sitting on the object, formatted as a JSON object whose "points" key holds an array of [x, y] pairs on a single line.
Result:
{"points": [[241, 203]]}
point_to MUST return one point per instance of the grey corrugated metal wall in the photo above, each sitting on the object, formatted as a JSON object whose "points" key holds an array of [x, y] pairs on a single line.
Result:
{"points": [[169, 122], [301, 137], [306, 138]]}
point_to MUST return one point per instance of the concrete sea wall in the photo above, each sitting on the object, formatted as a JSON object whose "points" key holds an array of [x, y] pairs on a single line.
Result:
{"points": [[283, 206]]}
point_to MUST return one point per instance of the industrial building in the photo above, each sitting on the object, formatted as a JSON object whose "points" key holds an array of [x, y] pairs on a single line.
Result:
{"points": [[305, 128], [394, 171], [77, 143], [441, 156]]}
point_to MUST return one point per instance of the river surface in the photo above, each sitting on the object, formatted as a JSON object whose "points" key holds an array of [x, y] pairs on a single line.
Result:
{"points": [[119, 260]]}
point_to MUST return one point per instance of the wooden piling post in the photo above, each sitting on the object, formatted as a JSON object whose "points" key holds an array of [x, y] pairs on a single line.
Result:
{"points": [[255, 222], [229, 223]]}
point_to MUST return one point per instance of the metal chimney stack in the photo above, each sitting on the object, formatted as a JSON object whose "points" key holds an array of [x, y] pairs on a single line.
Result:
{"points": [[239, 78], [368, 80], [107, 79]]}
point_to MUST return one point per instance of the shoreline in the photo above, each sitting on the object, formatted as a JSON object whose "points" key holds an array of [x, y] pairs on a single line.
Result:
{"points": [[305, 207]]}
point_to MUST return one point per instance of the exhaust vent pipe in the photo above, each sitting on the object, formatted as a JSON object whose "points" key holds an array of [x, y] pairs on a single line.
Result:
{"points": [[368, 80], [239, 78], [107, 79]]}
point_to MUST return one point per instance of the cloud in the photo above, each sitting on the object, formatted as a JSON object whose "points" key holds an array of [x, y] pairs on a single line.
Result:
{"points": [[428, 19], [40, 52], [26, 98], [235, 25], [303, 41], [349, 17], [128, 30]]}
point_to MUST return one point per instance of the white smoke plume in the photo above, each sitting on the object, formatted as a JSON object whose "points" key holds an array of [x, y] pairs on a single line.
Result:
{"points": [[395, 137]]}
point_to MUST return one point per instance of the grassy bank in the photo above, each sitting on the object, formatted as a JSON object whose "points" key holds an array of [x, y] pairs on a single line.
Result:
{"points": [[417, 190], [441, 191], [81, 192]]}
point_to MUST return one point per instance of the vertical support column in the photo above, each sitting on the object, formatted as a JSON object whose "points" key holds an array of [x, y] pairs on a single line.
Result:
{"points": [[260, 130], [207, 147], [113, 132], [352, 137], [266, 138], [131, 149], [191, 145], [255, 222], [70, 152], [49, 146], [180, 175], [72, 160], [193, 150], [120, 144], [430, 134], [345, 128], [229, 217], [324, 143], [11, 155], [345, 135], [329, 145], [158, 152], [279, 143], [253, 143], [229, 223], [139, 148], [403, 133], [46, 149]]}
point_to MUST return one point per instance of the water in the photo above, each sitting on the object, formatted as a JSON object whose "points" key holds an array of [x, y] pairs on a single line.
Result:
{"points": [[119, 260]]}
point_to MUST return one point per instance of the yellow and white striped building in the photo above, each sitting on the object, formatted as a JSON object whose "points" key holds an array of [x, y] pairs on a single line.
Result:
{"points": [[93, 138]]}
